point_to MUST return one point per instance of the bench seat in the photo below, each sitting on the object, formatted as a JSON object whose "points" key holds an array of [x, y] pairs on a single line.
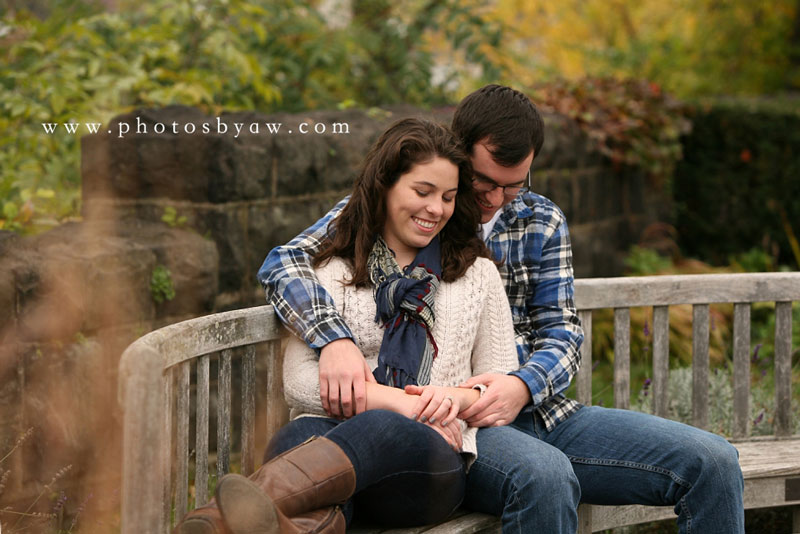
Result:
{"points": [[771, 468]]}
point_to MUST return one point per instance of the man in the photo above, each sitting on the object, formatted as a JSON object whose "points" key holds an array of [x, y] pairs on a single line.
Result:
{"points": [[615, 456]]}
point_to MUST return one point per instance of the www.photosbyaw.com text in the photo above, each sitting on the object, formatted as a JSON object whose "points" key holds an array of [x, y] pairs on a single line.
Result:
{"points": [[218, 127]]}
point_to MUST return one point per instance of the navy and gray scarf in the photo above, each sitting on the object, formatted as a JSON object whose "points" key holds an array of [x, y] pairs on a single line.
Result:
{"points": [[404, 301]]}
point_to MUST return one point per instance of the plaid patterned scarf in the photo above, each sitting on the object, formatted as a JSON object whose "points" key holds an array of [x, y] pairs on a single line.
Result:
{"points": [[404, 301]]}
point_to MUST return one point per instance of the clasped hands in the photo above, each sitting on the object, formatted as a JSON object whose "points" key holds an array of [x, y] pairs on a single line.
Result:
{"points": [[344, 375]]}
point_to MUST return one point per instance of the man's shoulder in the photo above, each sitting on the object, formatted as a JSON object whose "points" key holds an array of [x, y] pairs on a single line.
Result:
{"points": [[535, 201], [532, 208]]}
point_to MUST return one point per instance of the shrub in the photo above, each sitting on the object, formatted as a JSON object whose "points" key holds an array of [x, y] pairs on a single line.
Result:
{"points": [[736, 187]]}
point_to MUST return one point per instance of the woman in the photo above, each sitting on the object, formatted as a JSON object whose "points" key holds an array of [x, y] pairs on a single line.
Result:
{"points": [[428, 311]]}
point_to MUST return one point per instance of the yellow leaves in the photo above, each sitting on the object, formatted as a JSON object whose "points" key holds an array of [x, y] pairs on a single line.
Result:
{"points": [[688, 47], [45, 193], [187, 93]]}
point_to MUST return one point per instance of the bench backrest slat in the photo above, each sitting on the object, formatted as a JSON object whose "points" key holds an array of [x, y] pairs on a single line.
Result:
{"points": [[168, 456], [182, 439], [584, 380], [277, 410], [201, 431], [639, 291], [622, 358], [224, 413], [660, 360], [700, 361], [741, 370], [248, 409], [783, 368]]}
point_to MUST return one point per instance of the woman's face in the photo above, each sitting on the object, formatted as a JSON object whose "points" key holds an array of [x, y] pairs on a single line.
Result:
{"points": [[418, 206]]}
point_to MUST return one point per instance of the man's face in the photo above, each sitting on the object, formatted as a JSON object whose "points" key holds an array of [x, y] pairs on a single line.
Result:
{"points": [[490, 171]]}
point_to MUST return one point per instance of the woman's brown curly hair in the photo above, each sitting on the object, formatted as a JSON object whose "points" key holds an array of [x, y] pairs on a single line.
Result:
{"points": [[406, 143]]}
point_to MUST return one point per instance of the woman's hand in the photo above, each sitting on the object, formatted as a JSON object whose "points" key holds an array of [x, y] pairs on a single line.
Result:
{"points": [[435, 405], [450, 433]]}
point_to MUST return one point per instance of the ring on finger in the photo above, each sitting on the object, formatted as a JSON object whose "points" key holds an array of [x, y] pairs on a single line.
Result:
{"points": [[450, 398]]}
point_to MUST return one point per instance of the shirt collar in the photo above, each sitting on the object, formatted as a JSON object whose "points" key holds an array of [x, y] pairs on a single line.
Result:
{"points": [[516, 209]]}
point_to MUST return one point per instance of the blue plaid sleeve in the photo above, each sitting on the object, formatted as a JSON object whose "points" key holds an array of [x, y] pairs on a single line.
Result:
{"points": [[292, 287], [549, 333]]}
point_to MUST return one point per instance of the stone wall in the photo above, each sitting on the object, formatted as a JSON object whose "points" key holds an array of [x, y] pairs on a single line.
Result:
{"points": [[251, 192]]}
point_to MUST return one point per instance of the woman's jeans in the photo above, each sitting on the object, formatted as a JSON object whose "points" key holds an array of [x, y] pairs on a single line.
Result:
{"points": [[534, 479], [406, 473]]}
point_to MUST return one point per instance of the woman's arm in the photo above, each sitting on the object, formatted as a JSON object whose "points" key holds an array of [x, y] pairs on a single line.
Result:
{"points": [[414, 398], [380, 397]]}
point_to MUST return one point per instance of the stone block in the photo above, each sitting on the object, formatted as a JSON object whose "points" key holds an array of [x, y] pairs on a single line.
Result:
{"points": [[226, 226], [279, 223], [87, 277], [240, 171]]}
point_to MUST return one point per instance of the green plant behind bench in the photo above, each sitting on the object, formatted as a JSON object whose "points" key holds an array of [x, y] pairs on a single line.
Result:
{"points": [[161, 286]]}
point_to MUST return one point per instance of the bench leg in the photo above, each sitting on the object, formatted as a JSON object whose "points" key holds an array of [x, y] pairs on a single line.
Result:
{"points": [[584, 519]]}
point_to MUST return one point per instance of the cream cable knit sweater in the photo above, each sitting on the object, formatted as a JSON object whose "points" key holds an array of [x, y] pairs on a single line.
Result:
{"points": [[473, 331]]}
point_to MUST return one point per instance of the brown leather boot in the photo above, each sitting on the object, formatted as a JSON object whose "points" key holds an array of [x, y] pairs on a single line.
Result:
{"points": [[204, 520], [309, 477], [323, 521]]}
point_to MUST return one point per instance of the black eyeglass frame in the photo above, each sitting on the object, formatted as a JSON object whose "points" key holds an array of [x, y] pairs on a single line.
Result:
{"points": [[494, 185]]}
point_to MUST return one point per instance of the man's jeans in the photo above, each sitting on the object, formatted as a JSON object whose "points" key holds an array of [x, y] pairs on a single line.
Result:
{"points": [[616, 457], [406, 473]]}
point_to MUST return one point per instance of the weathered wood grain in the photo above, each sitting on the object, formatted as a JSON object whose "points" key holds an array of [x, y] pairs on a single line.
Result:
{"points": [[182, 441], [213, 333], [783, 368], [631, 292], [769, 457], [248, 409], [622, 358], [660, 360], [201, 432], [224, 414], [167, 457], [741, 370], [700, 331], [277, 410], [145, 444], [584, 518], [584, 378]]}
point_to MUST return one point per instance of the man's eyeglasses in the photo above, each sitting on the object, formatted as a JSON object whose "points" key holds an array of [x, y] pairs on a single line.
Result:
{"points": [[483, 184]]}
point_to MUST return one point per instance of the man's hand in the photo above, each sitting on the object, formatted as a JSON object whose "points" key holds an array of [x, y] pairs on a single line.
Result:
{"points": [[343, 372], [505, 396]]}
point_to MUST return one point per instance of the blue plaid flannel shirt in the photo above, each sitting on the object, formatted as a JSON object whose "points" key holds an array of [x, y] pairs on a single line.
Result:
{"points": [[530, 236]]}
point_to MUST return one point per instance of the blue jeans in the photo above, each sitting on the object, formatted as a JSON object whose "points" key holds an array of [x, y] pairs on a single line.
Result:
{"points": [[616, 457], [406, 473]]}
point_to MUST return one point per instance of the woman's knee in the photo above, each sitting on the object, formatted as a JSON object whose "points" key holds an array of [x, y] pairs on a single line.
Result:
{"points": [[388, 430], [296, 432]]}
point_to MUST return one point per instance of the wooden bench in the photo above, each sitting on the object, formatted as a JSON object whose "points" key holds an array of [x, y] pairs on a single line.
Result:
{"points": [[156, 388]]}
